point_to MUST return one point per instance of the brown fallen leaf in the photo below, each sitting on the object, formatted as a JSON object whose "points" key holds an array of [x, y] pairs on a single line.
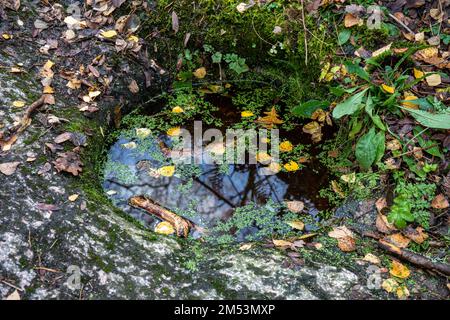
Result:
{"points": [[282, 243], [345, 238], [380, 204], [439, 202], [270, 119], [350, 20], [398, 240], [9, 168], [246, 246], [383, 225], [69, 162], [133, 87], [175, 22], [63, 137], [417, 235]]}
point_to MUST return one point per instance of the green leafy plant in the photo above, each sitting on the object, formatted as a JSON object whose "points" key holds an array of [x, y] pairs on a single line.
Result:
{"points": [[400, 213]]}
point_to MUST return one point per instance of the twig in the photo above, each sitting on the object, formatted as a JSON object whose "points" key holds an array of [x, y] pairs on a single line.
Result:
{"points": [[304, 31], [401, 23], [415, 258], [181, 225]]}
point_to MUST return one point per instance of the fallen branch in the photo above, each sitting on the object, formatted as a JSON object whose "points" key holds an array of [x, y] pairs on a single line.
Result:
{"points": [[13, 133], [181, 225], [415, 258]]}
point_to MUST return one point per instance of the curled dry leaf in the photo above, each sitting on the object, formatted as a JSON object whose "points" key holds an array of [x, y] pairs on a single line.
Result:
{"points": [[383, 225], [439, 202], [380, 204], [69, 162], [417, 235], [345, 238]]}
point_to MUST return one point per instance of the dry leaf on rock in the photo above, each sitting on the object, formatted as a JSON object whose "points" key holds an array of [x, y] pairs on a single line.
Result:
{"points": [[73, 197], [13, 296], [69, 162], [9, 168], [389, 285], [63, 137]]}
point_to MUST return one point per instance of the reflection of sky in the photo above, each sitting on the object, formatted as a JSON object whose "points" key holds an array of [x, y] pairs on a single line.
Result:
{"points": [[213, 195]]}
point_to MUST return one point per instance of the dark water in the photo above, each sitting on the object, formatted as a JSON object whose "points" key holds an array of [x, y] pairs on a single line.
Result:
{"points": [[207, 193], [214, 191]]}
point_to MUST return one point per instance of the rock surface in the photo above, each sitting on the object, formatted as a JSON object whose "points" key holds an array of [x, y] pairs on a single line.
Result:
{"points": [[55, 248]]}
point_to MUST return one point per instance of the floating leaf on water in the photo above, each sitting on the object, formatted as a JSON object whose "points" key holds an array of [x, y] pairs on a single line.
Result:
{"points": [[167, 171], [177, 109], [291, 166], [296, 224], [247, 114], [286, 146]]}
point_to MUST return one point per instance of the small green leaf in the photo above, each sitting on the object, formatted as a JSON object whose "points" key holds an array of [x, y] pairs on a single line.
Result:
{"points": [[349, 106], [380, 140], [366, 149], [375, 118], [344, 36], [353, 68]]}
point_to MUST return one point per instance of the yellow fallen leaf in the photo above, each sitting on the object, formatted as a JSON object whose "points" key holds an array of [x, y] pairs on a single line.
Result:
{"points": [[18, 103], [274, 167], [337, 188], [399, 270], [109, 34], [402, 292], [389, 285], [296, 224], [286, 146], [314, 129], [133, 38], [247, 114], [246, 246], [6, 36], [200, 73], [177, 109], [291, 166], [408, 102], [164, 228], [173, 132], [418, 74], [48, 89], [372, 258], [73, 197], [349, 178], [387, 88], [48, 65], [167, 171], [434, 80]]}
